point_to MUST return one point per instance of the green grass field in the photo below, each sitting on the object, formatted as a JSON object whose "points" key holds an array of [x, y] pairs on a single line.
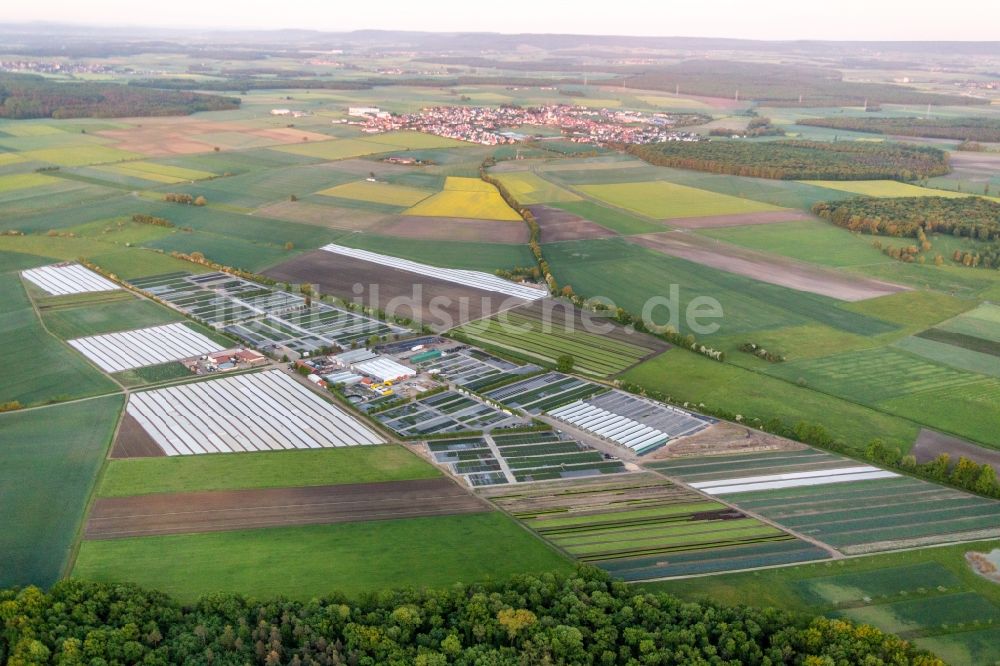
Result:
{"points": [[688, 377], [276, 469], [307, 562], [783, 193], [912, 311], [37, 367], [915, 591], [449, 254], [416, 140], [630, 276], [49, 460], [383, 193], [339, 149], [77, 318], [812, 241], [157, 173], [906, 384], [950, 353], [72, 156], [663, 200], [609, 218], [21, 181]]}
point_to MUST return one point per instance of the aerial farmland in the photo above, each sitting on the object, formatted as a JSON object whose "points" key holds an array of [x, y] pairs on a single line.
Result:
{"points": [[454, 328]]}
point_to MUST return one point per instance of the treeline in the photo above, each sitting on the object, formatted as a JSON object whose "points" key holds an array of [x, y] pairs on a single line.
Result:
{"points": [[270, 83], [796, 159], [966, 474], [184, 198], [962, 129], [970, 217], [782, 85], [141, 218], [28, 96], [548, 619]]}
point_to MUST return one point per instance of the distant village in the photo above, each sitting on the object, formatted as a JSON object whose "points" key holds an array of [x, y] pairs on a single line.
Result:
{"points": [[493, 126]]}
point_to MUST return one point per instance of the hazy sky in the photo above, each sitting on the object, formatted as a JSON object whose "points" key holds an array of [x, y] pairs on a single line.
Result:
{"points": [[754, 19]]}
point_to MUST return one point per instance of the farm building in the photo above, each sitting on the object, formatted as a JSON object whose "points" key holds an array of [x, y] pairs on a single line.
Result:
{"points": [[384, 369]]}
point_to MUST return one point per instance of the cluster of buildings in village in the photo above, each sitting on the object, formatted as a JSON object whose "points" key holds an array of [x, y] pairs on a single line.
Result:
{"points": [[42, 67], [508, 124]]}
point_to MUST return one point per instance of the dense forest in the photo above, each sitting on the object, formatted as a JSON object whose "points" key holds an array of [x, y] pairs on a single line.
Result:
{"points": [[782, 85], [798, 160], [970, 217], [549, 619], [29, 96], [962, 129]]}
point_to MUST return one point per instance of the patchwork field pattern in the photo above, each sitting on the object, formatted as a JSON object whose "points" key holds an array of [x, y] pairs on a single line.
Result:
{"points": [[766, 267], [855, 516], [23, 181], [970, 341], [530, 188], [64, 279], [640, 526], [157, 173], [520, 457], [381, 193], [664, 200], [629, 275], [115, 352], [905, 384], [466, 197], [265, 411]]}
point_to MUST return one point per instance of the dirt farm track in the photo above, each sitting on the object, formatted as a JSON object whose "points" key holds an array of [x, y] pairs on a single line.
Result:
{"points": [[184, 513]]}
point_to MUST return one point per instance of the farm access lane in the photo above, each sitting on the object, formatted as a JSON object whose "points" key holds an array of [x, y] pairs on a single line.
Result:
{"points": [[215, 511]]}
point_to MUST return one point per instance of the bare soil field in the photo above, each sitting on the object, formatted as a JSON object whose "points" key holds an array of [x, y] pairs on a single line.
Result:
{"points": [[738, 219], [724, 438], [185, 513], [930, 444], [455, 229], [160, 137], [439, 304], [560, 225], [319, 215], [972, 163], [134, 442], [765, 267]]}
